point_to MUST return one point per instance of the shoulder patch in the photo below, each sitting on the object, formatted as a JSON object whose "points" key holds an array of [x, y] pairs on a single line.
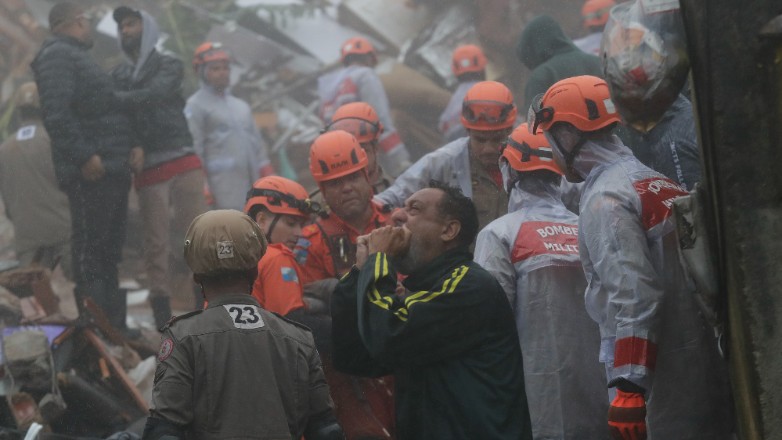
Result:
{"points": [[657, 195], [289, 274], [179, 318], [166, 348], [26, 133]]}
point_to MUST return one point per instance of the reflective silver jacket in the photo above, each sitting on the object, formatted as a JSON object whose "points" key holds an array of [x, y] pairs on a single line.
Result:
{"points": [[230, 146], [451, 164], [360, 83], [651, 331], [533, 253]]}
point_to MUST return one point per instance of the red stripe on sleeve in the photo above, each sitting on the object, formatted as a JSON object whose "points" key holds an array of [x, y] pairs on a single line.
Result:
{"points": [[635, 351]]}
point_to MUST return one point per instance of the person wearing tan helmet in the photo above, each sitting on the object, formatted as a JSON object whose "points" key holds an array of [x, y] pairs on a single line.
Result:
{"points": [[235, 370], [35, 205]]}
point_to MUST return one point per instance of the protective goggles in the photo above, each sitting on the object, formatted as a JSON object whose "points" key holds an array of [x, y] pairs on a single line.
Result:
{"points": [[360, 128], [527, 152], [275, 198], [537, 115], [492, 112]]}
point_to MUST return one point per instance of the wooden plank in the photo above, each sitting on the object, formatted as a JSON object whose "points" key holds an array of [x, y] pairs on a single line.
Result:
{"points": [[117, 369]]}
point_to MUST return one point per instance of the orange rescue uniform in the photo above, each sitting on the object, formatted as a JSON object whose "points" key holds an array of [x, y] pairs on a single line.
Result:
{"points": [[278, 285], [327, 248]]}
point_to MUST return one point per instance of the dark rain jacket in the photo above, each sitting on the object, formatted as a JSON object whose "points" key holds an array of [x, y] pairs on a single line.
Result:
{"points": [[235, 370], [551, 56], [671, 147], [151, 90], [450, 342], [80, 112]]}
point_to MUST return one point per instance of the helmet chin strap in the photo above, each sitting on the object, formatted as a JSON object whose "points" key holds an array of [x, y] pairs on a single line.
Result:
{"points": [[570, 156], [271, 228]]}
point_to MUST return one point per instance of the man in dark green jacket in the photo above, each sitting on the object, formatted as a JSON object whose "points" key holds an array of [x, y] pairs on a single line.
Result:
{"points": [[449, 339], [551, 56]]}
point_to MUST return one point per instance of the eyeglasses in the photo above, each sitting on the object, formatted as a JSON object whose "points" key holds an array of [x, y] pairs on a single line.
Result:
{"points": [[537, 115], [492, 112], [362, 129], [544, 153], [275, 198]]}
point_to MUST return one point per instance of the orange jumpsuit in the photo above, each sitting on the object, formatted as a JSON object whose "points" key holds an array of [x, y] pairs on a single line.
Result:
{"points": [[327, 249], [278, 286]]}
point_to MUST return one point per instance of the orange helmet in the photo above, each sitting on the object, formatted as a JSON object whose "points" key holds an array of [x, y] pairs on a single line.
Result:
{"points": [[208, 52], [335, 154], [468, 58], [528, 152], [356, 46], [280, 196], [583, 101], [488, 106], [596, 12], [358, 119]]}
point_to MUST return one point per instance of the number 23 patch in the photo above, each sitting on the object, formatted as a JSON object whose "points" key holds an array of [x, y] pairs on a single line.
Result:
{"points": [[245, 316]]}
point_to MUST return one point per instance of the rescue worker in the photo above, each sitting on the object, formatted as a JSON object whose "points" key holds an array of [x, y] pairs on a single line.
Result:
{"points": [[468, 64], [361, 120], [658, 351], [94, 152], [326, 251], [594, 14], [533, 253], [471, 163], [450, 340], [149, 87], [35, 205], [281, 209], [224, 132], [551, 56], [235, 370], [357, 81]]}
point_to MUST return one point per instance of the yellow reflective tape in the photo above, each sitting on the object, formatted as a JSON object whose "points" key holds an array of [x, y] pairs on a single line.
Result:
{"points": [[456, 277], [374, 295]]}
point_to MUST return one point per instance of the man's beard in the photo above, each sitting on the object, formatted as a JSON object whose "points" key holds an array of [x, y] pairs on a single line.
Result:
{"points": [[131, 45], [410, 260]]}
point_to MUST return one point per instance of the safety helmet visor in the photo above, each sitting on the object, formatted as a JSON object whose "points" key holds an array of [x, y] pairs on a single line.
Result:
{"points": [[492, 112], [276, 198]]}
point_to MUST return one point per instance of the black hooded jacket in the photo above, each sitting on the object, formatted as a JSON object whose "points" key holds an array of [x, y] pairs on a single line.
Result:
{"points": [[551, 56], [150, 89], [80, 112]]}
